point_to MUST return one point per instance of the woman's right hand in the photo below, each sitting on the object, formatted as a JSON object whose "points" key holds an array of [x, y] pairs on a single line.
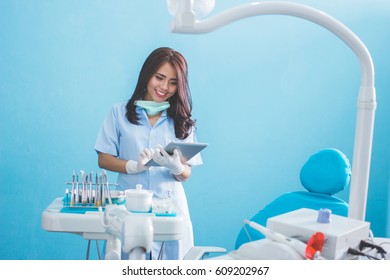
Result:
{"points": [[133, 167]]}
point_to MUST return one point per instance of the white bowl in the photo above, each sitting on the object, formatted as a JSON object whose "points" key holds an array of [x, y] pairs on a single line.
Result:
{"points": [[117, 197]]}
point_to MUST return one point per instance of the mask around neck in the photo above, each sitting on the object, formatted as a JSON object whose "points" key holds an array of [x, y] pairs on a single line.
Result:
{"points": [[152, 108]]}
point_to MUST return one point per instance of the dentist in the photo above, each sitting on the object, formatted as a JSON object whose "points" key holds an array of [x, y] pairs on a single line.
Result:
{"points": [[133, 132]]}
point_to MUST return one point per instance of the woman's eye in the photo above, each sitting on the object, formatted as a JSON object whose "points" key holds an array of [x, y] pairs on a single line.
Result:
{"points": [[159, 78]]}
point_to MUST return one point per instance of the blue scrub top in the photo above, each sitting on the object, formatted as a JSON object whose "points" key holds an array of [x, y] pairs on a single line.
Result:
{"points": [[122, 139]]}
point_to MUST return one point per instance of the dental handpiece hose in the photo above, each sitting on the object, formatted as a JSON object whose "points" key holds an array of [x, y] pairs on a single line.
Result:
{"points": [[296, 244]]}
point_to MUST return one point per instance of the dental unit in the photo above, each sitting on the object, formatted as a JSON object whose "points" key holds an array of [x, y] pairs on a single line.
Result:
{"points": [[133, 232]]}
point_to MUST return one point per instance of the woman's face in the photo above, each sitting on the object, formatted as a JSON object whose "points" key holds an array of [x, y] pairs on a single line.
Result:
{"points": [[163, 84]]}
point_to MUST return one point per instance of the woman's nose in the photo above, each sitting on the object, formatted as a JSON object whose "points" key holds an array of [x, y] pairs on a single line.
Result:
{"points": [[164, 85]]}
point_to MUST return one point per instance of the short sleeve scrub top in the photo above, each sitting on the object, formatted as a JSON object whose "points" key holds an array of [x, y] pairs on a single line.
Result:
{"points": [[122, 139]]}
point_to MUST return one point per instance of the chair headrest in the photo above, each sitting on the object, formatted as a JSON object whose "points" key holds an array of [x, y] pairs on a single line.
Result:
{"points": [[327, 172]]}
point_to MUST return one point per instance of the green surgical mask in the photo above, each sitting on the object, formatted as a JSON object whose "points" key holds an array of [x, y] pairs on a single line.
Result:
{"points": [[152, 108]]}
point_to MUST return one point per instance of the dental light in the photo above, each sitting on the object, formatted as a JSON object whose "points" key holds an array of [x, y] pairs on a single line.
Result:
{"points": [[185, 22], [197, 10]]}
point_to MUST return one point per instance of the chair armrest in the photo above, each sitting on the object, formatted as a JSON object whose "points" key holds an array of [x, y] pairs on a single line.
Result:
{"points": [[200, 252]]}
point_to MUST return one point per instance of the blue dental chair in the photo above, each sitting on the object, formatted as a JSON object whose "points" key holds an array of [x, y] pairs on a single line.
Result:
{"points": [[324, 174]]}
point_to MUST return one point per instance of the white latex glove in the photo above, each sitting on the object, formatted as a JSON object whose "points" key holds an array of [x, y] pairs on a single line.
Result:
{"points": [[171, 162], [133, 167]]}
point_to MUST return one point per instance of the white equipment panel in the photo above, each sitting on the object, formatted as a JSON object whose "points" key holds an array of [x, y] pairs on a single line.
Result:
{"points": [[90, 227], [341, 233]]}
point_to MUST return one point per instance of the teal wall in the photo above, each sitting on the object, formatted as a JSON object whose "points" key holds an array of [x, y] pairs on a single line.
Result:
{"points": [[268, 92]]}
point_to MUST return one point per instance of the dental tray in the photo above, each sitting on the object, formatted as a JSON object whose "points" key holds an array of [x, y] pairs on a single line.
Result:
{"points": [[171, 214], [84, 209], [77, 208], [160, 208], [80, 208]]}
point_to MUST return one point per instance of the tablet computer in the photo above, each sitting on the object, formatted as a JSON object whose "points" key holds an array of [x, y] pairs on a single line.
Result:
{"points": [[186, 150]]}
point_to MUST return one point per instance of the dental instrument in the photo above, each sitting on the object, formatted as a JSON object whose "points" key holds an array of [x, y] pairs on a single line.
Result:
{"points": [[77, 200], [86, 188], [67, 196], [83, 188], [102, 190], [108, 194], [98, 198], [90, 200], [73, 189], [185, 22]]}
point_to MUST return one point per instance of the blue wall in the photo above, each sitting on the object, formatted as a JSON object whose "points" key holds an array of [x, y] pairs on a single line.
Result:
{"points": [[268, 92]]}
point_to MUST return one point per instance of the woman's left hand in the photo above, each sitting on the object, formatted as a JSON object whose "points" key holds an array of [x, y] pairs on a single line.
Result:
{"points": [[171, 162]]}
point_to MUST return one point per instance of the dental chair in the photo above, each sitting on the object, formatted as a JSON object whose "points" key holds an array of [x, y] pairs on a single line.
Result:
{"points": [[323, 175]]}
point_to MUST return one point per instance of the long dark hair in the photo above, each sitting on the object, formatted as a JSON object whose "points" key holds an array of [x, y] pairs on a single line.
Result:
{"points": [[180, 103]]}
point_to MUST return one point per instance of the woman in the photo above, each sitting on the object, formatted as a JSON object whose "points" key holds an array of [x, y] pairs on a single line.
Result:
{"points": [[158, 112]]}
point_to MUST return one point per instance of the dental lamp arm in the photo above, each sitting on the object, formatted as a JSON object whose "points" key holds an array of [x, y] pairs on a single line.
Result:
{"points": [[291, 9]]}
